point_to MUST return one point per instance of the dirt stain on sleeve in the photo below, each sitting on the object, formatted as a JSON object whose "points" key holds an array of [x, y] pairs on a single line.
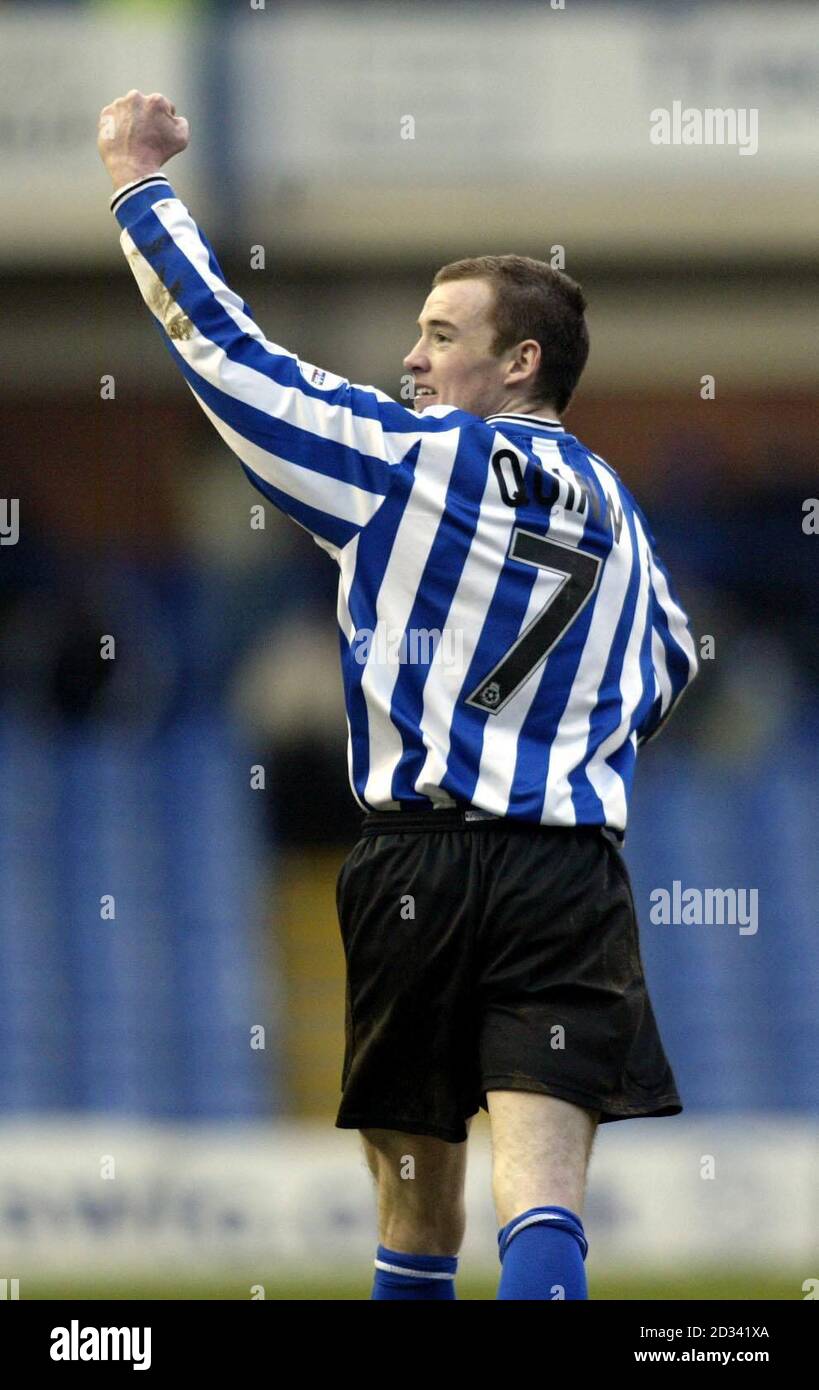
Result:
{"points": [[161, 300], [177, 324]]}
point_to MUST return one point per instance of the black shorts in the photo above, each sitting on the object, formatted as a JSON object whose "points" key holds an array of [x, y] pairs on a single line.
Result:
{"points": [[491, 955]]}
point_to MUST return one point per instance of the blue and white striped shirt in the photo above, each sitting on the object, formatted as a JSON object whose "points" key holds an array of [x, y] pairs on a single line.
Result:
{"points": [[508, 633]]}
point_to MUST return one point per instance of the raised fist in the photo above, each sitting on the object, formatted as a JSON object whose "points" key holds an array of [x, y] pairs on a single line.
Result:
{"points": [[136, 134]]}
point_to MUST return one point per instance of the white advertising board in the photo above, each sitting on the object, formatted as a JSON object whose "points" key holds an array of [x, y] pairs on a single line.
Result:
{"points": [[92, 1197]]}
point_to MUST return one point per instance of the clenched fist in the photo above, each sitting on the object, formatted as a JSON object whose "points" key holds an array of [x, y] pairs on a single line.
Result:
{"points": [[136, 134]]}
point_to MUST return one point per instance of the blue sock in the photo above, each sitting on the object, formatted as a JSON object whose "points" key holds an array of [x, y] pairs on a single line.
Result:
{"points": [[420, 1277], [542, 1253]]}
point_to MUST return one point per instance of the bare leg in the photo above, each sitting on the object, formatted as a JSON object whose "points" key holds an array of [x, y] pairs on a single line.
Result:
{"points": [[420, 1184]]}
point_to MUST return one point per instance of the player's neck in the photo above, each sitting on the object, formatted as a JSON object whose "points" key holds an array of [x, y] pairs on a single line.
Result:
{"points": [[528, 411]]}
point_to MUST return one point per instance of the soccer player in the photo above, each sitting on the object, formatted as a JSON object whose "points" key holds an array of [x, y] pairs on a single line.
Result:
{"points": [[486, 913]]}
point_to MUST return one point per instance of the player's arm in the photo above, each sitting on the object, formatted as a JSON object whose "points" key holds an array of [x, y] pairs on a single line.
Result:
{"points": [[321, 449], [673, 655]]}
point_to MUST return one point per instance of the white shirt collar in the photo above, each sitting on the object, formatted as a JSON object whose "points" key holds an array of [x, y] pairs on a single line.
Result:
{"points": [[521, 418]]}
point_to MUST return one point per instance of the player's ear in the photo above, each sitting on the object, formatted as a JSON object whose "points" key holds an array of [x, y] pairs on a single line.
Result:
{"points": [[524, 361]]}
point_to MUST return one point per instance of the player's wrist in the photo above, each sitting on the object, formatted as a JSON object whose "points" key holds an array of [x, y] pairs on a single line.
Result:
{"points": [[129, 171]]}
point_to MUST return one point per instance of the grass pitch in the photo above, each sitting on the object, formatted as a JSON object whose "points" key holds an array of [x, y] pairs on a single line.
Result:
{"points": [[690, 1285]]}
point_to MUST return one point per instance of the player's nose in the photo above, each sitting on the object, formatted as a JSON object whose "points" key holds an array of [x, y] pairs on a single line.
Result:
{"points": [[414, 360]]}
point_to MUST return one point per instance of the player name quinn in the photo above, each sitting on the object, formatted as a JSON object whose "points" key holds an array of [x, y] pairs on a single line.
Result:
{"points": [[553, 488]]}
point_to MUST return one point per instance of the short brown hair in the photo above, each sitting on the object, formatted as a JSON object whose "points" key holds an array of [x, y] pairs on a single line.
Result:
{"points": [[532, 300]]}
